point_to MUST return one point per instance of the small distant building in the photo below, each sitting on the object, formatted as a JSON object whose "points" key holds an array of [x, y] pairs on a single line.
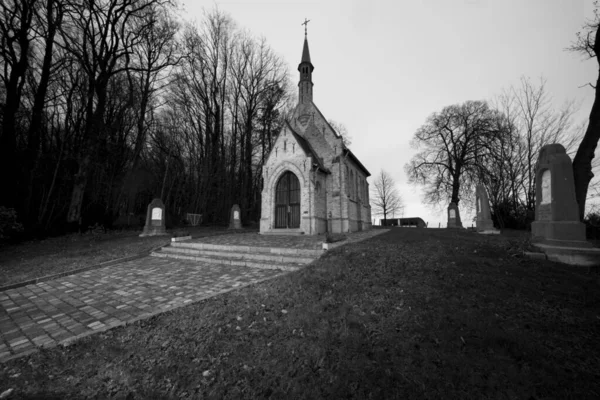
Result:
{"points": [[414, 222]]}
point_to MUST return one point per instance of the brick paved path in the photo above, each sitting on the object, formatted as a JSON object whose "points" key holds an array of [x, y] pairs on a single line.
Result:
{"points": [[65, 309], [62, 310]]}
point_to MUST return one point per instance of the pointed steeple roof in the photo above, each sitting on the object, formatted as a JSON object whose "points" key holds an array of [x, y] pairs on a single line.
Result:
{"points": [[305, 52]]}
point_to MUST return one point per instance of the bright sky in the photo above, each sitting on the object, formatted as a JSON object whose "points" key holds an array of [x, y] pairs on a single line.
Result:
{"points": [[383, 66]]}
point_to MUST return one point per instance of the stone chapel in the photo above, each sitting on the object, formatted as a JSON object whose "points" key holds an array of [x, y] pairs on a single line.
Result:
{"points": [[313, 183]]}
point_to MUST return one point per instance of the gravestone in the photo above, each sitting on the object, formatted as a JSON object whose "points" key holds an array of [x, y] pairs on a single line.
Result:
{"points": [[155, 219], [483, 213], [454, 216], [556, 230], [235, 221], [556, 209]]}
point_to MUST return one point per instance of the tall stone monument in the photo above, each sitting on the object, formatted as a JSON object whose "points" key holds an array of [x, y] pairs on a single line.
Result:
{"points": [[485, 225], [556, 210], [235, 221], [556, 229], [155, 219], [454, 216]]}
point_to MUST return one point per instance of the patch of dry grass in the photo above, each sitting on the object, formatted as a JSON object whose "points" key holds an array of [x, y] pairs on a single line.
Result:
{"points": [[36, 259], [408, 314]]}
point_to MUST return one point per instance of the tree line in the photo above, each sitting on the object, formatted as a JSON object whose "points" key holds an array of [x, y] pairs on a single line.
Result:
{"points": [[106, 104], [497, 144]]}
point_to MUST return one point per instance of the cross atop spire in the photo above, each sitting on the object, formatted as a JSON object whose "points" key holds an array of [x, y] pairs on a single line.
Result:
{"points": [[305, 68], [305, 23]]}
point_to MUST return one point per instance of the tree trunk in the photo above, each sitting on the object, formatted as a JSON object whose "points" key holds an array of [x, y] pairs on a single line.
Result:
{"points": [[95, 126], [8, 135], [455, 188], [582, 163], [35, 129]]}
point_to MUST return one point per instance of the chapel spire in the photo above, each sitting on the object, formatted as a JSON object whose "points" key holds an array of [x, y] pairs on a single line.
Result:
{"points": [[305, 91]]}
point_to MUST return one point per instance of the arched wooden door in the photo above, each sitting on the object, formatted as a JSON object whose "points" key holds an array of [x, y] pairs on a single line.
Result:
{"points": [[287, 202]]}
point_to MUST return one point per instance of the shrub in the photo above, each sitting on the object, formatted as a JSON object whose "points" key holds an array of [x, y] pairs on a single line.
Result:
{"points": [[592, 225], [9, 226]]}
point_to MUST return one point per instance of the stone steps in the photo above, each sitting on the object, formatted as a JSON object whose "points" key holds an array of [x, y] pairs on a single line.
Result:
{"points": [[283, 232], [286, 259]]}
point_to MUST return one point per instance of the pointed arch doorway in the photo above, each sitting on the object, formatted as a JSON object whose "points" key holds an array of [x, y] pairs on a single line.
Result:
{"points": [[287, 202]]}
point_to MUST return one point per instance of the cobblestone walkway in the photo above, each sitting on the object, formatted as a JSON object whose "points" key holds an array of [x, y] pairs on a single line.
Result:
{"points": [[65, 309]]}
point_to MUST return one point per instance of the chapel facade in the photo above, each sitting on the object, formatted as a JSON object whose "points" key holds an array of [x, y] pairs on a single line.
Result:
{"points": [[313, 183]]}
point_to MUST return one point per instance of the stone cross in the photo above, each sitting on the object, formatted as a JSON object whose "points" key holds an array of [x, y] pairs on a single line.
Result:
{"points": [[305, 23]]}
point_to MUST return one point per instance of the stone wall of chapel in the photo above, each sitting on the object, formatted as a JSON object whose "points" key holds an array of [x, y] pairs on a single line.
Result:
{"points": [[320, 202], [286, 155], [358, 207], [340, 210]]}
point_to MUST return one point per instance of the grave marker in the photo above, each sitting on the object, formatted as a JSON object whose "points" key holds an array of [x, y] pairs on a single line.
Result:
{"points": [[454, 216], [155, 219], [235, 221], [557, 230], [485, 225], [556, 211]]}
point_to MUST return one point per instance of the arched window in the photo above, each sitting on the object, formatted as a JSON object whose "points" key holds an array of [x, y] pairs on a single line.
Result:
{"points": [[351, 184]]}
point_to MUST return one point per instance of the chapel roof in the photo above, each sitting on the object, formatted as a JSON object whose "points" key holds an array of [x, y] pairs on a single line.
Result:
{"points": [[307, 148], [351, 156], [305, 52], [347, 151]]}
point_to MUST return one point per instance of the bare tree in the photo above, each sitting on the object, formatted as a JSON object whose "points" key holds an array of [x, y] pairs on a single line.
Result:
{"points": [[341, 130], [588, 43], [101, 35], [530, 121], [16, 35], [455, 143], [384, 195], [538, 124]]}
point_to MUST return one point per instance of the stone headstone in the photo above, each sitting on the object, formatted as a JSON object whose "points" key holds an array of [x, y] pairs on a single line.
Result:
{"points": [[556, 210], [155, 219], [483, 213], [235, 221], [556, 229], [454, 216]]}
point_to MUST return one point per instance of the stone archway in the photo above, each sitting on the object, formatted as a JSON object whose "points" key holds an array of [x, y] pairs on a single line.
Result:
{"points": [[287, 201]]}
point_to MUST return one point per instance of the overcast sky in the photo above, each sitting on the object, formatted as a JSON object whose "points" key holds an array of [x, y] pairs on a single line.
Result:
{"points": [[383, 66]]}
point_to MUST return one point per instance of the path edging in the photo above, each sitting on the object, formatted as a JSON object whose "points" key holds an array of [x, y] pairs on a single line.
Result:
{"points": [[78, 270], [71, 340]]}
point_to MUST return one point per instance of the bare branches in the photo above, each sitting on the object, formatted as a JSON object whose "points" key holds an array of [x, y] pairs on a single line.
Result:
{"points": [[586, 41], [385, 198], [456, 142]]}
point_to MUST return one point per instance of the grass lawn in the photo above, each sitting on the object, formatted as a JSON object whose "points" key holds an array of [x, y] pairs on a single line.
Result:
{"points": [[413, 313], [36, 259]]}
